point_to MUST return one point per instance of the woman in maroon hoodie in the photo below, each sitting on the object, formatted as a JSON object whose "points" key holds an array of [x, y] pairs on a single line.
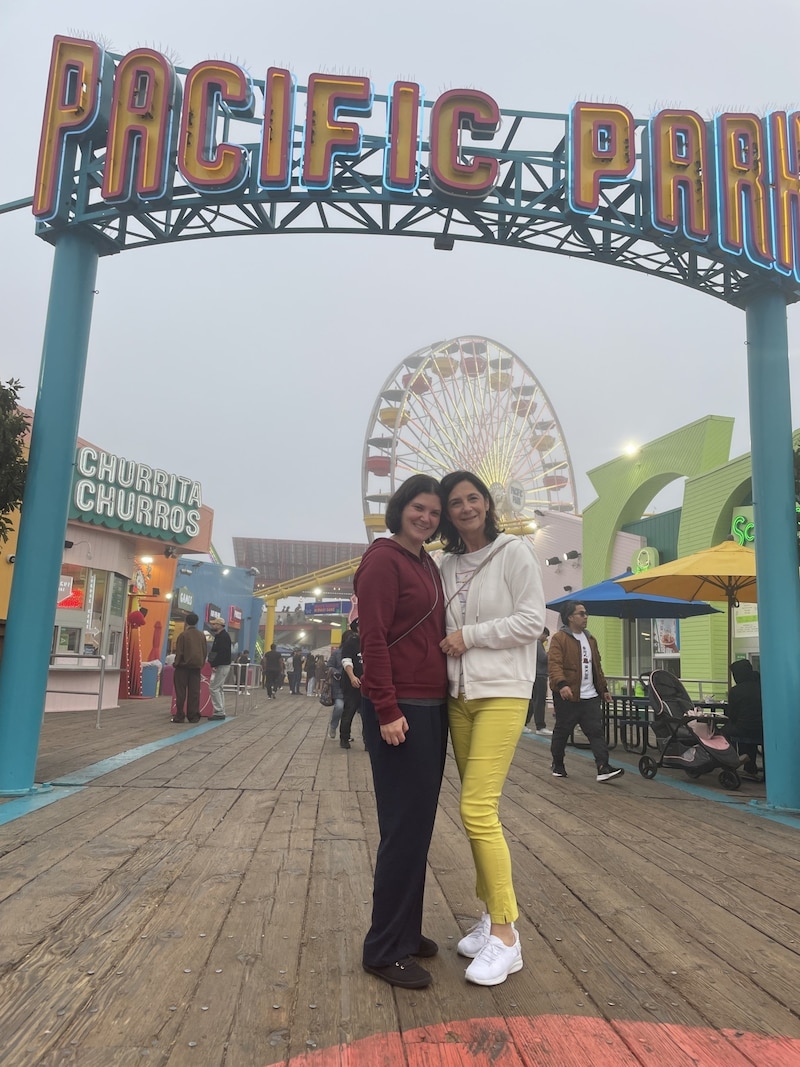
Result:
{"points": [[404, 713]]}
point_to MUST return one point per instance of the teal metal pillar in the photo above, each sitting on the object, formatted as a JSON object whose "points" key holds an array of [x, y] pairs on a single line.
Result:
{"points": [[45, 506], [775, 543]]}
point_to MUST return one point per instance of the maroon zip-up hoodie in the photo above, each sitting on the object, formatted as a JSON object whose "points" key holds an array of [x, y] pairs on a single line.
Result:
{"points": [[401, 654]]}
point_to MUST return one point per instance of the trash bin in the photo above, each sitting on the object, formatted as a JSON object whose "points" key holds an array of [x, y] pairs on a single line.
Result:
{"points": [[149, 681]]}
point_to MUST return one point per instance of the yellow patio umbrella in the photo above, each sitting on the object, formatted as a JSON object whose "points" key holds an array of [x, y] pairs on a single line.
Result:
{"points": [[725, 572]]}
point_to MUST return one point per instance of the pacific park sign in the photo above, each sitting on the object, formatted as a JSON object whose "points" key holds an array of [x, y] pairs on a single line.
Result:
{"points": [[729, 186]]}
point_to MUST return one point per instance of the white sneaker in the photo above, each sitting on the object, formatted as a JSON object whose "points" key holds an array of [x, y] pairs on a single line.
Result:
{"points": [[495, 962], [527, 730], [474, 940], [544, 732]]}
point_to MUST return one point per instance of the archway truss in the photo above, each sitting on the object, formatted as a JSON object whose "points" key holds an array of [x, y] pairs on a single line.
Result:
{"points": [[528, 206]]}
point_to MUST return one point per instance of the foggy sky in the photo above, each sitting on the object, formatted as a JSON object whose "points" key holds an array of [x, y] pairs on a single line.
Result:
{"points": [[226, 360]]}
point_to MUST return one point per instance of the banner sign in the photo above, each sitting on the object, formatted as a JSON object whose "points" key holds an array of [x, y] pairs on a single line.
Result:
{"points": [[328, 607]]}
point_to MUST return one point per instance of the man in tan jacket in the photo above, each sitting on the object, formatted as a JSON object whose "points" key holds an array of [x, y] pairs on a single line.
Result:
{"points": [[578, 683]]}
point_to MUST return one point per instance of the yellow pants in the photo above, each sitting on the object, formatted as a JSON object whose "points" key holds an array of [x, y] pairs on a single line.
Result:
{"points": [[485, 734]]}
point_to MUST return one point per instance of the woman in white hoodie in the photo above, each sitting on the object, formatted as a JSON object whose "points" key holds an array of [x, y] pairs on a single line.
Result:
{"points": [[495, 615]]}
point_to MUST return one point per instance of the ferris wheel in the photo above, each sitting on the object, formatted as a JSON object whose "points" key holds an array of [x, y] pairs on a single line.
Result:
{"points": [[467, 404]]}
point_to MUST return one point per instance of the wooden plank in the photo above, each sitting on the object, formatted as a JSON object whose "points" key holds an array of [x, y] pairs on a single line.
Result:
{"points": [[261, 835]]}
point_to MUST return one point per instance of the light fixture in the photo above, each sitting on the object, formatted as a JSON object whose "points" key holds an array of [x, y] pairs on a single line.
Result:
{"points": [[168, 596], [317, 591], [226, 570], [145, 559], [169, 551], [572, 554], [184, 570], [553, 561], [444, 242]]}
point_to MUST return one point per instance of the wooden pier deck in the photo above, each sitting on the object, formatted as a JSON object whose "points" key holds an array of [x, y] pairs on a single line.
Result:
{"points": [[203, 902]]}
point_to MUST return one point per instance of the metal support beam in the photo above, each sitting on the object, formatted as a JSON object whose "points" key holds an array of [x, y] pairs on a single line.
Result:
{"points": [[776, 542], [45, 507]]}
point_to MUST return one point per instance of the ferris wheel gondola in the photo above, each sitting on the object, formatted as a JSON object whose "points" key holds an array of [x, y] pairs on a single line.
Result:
{"points": [[468, 403]]}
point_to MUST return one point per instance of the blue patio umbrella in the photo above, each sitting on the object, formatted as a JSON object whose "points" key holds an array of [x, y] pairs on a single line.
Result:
{"points": [[609, 600]]}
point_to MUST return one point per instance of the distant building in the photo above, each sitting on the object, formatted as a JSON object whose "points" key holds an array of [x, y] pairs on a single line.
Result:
{"points": [[284, 560]]}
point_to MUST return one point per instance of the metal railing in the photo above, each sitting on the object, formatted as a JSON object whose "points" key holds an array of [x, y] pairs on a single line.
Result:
{"points": [[243, 682], [699, 689]]}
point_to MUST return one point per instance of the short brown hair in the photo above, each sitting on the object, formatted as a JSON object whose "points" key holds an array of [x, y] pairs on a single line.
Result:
{"points": [[411, 488]]}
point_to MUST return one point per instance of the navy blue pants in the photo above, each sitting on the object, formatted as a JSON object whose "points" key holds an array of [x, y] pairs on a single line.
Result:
{"points": [[407, 781]]}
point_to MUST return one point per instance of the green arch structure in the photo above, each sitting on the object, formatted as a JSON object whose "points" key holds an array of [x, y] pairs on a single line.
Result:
{"points": [[715, 486], [627, 484], [528, 206]]}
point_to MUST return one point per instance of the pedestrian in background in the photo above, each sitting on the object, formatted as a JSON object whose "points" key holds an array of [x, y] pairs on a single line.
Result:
{"points": [[219, 657], [352, 669], [579, 687], [536, 705], [273, 671], [335, 672], [310, 667], [190, 655], [297, 672]]}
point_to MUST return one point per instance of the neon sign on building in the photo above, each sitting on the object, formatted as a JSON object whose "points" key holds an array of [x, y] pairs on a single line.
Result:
{"points": [[731, 185], [121, 494]]}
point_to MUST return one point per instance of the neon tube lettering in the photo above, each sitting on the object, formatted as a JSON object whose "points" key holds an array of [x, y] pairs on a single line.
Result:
{"points": [[276, 133], [403, 138], [142, 128], [329, 97], [678, 174], [454, 111], [784, 159], [743, 203], [72, 107], [205, 164], [601, 139]]}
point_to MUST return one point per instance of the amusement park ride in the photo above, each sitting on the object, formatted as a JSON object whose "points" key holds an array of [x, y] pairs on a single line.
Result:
{"points": [[467, 403]]}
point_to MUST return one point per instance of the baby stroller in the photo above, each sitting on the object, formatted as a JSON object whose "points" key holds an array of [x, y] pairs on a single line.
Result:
{"points": [[687, 738]]}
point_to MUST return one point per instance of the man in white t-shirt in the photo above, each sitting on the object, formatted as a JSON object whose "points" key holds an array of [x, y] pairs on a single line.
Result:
{"points": [[579, 686]]}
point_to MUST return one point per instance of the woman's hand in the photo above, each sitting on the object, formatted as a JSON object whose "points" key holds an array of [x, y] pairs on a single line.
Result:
{"points": [[394, 733], [453, 644]]}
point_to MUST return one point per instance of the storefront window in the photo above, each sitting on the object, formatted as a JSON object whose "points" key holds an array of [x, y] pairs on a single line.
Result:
{"points": [[69, 638], [114, 647], [72, 586]]}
